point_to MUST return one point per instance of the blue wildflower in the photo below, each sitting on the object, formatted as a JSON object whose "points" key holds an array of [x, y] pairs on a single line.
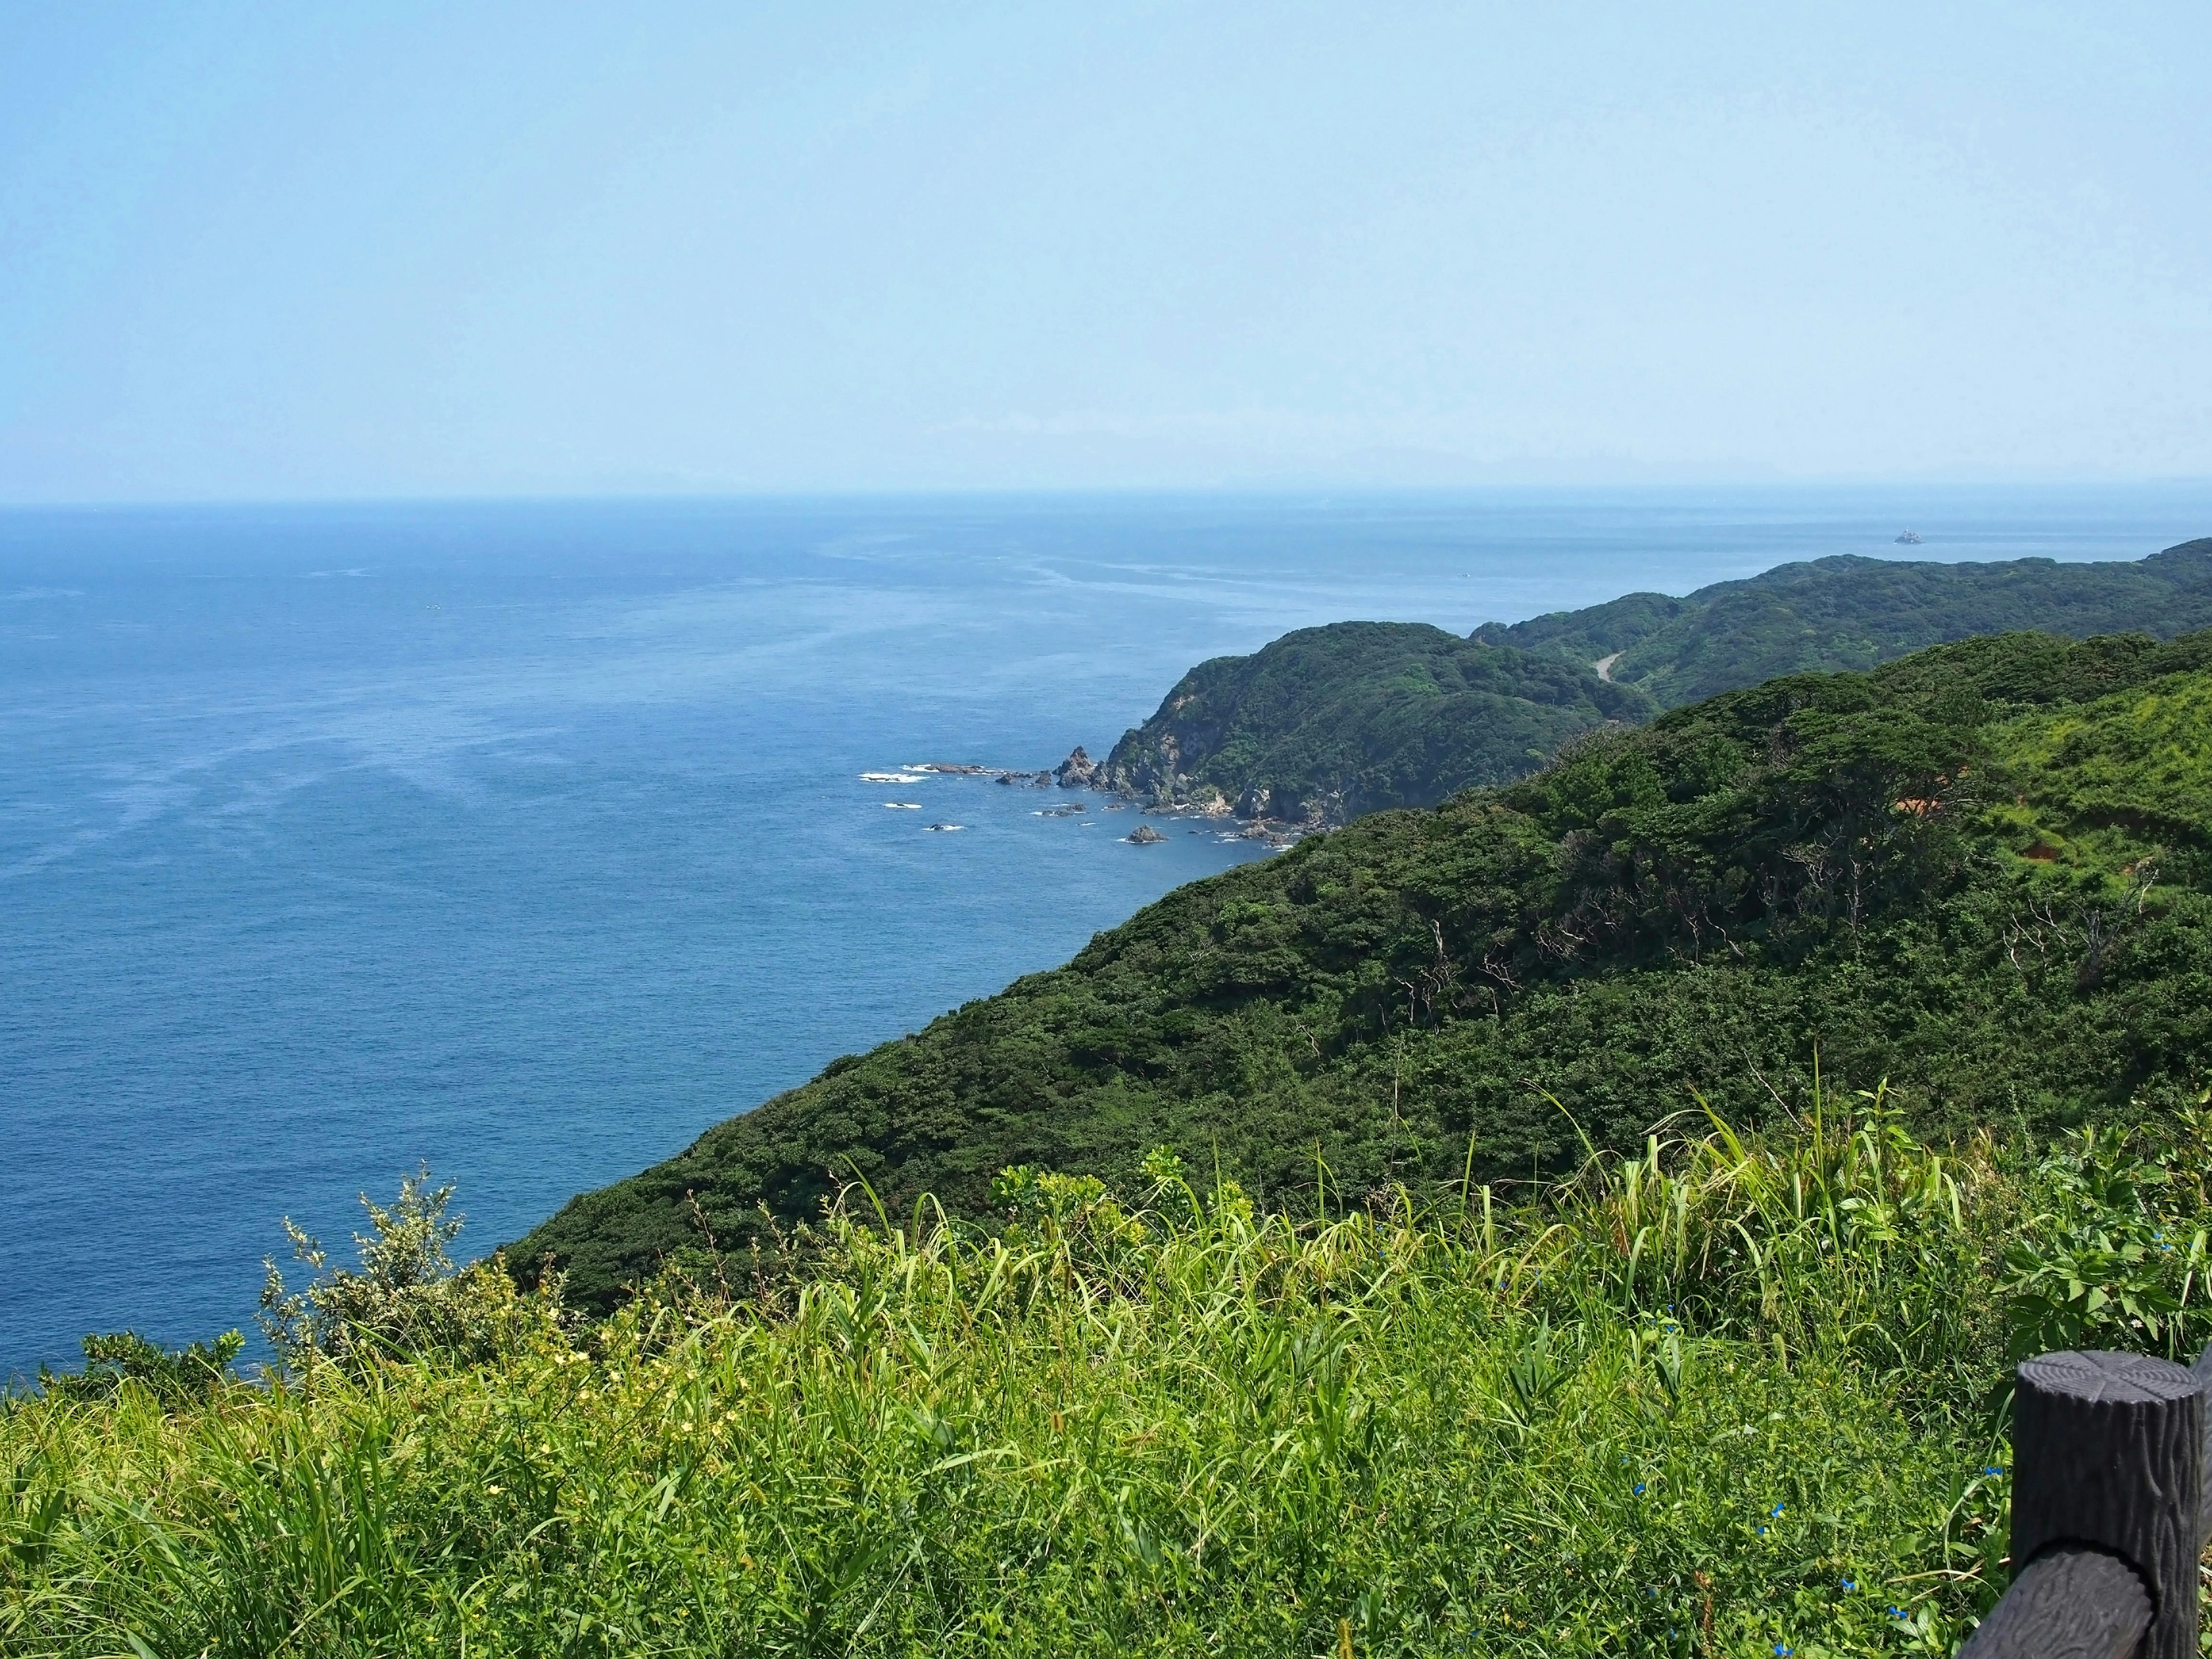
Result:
{"points": [[1849, 1584], [1992, 1469], [1639, 1489], [1762, 1532], [1777, 1510], [1782, 1651]]}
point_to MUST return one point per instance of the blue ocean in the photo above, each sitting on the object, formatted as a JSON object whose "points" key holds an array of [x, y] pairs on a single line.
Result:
{"points": [[525, 840]]}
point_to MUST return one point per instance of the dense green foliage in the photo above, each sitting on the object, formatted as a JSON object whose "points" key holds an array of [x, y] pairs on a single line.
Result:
{"points": [[1854, 613], [1721, 1397], [1328, 723], [1982, 868], [169, 1375], [406, 1299]]}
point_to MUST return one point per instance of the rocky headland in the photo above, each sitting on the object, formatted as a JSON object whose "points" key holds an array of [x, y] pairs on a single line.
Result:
{"points": [[1327, 724]]}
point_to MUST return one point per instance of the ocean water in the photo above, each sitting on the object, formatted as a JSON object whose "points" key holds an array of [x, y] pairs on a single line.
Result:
{"points": [[527, 840]]}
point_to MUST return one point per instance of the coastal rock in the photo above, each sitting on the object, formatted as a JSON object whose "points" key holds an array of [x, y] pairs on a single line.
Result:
{"points": [[1143, 835], [1078, 771]]}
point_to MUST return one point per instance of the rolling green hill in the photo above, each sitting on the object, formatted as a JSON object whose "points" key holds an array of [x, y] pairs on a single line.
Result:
{"points": [[1981, 870], [1328, 723], [1854, 613]]}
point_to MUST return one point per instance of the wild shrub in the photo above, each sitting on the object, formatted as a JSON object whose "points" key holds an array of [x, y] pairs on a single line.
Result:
{"points": [[175, 1376], [407, 1300]]}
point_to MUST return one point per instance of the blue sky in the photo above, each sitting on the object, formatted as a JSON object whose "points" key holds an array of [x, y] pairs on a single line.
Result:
{"points": [[252, 251]]}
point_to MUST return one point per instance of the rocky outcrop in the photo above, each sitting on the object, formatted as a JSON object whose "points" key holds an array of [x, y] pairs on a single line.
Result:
{"points": [[1312, 809], [1078, 771], [1143, 835]]}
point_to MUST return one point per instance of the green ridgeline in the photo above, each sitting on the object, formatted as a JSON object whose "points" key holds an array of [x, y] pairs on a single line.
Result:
{"points": [[1330, 723], [1981, 870], [1327, 724], [1852, 613]]}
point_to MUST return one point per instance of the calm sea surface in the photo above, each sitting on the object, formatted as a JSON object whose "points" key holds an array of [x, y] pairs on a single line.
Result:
{"points": [[528, 840]]}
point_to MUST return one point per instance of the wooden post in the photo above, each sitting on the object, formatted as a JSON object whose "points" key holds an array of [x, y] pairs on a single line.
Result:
{"points": [[2202, 1370], [2108, 1456], [2070, 1602]]}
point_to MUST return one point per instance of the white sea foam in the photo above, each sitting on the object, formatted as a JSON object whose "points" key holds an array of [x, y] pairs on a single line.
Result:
{"points": [[904, 805]]}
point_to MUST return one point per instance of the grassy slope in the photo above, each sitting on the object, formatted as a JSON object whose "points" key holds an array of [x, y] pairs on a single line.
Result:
{"points": [[1696, 905], [1726, 1400], [1850, 613], [1358, 717]]}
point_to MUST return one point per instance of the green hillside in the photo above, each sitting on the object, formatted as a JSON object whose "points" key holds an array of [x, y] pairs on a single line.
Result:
{"points": [[1979, 871], [1721, 1397], [1852, 613], [1328, 723]]}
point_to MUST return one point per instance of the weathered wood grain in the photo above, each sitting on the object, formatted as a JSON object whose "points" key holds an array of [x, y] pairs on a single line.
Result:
{"points": [[2108, 1452], [2072, 1603], [2203, 1372]]}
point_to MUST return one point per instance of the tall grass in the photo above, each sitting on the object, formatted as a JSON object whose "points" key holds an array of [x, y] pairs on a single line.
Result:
{"points": [[1735, 1396]]}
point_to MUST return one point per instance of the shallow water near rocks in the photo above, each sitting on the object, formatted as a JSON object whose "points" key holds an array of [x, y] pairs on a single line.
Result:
{"points": [[528, 840]]}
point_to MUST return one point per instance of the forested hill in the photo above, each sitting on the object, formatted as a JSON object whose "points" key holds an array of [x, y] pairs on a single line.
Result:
{"points": [[1982, 872], [1852, 613], [1328, 723]]}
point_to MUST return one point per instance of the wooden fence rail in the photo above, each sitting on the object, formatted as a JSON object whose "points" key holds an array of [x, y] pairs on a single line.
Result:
{"points": [[2109, 1511]]}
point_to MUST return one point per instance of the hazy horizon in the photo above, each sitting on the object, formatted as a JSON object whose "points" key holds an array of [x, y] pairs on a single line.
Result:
{"points": [[1904, 492], [251, 254]]}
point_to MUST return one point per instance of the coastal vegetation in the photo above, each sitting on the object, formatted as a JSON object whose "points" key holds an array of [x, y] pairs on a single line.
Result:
{"points": [[1980, 871], [1720, 1395], [1328, 723], [1850, 612]]}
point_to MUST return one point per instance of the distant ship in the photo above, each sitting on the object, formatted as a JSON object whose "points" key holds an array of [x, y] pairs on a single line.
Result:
{"points": [[1910, 538]]}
